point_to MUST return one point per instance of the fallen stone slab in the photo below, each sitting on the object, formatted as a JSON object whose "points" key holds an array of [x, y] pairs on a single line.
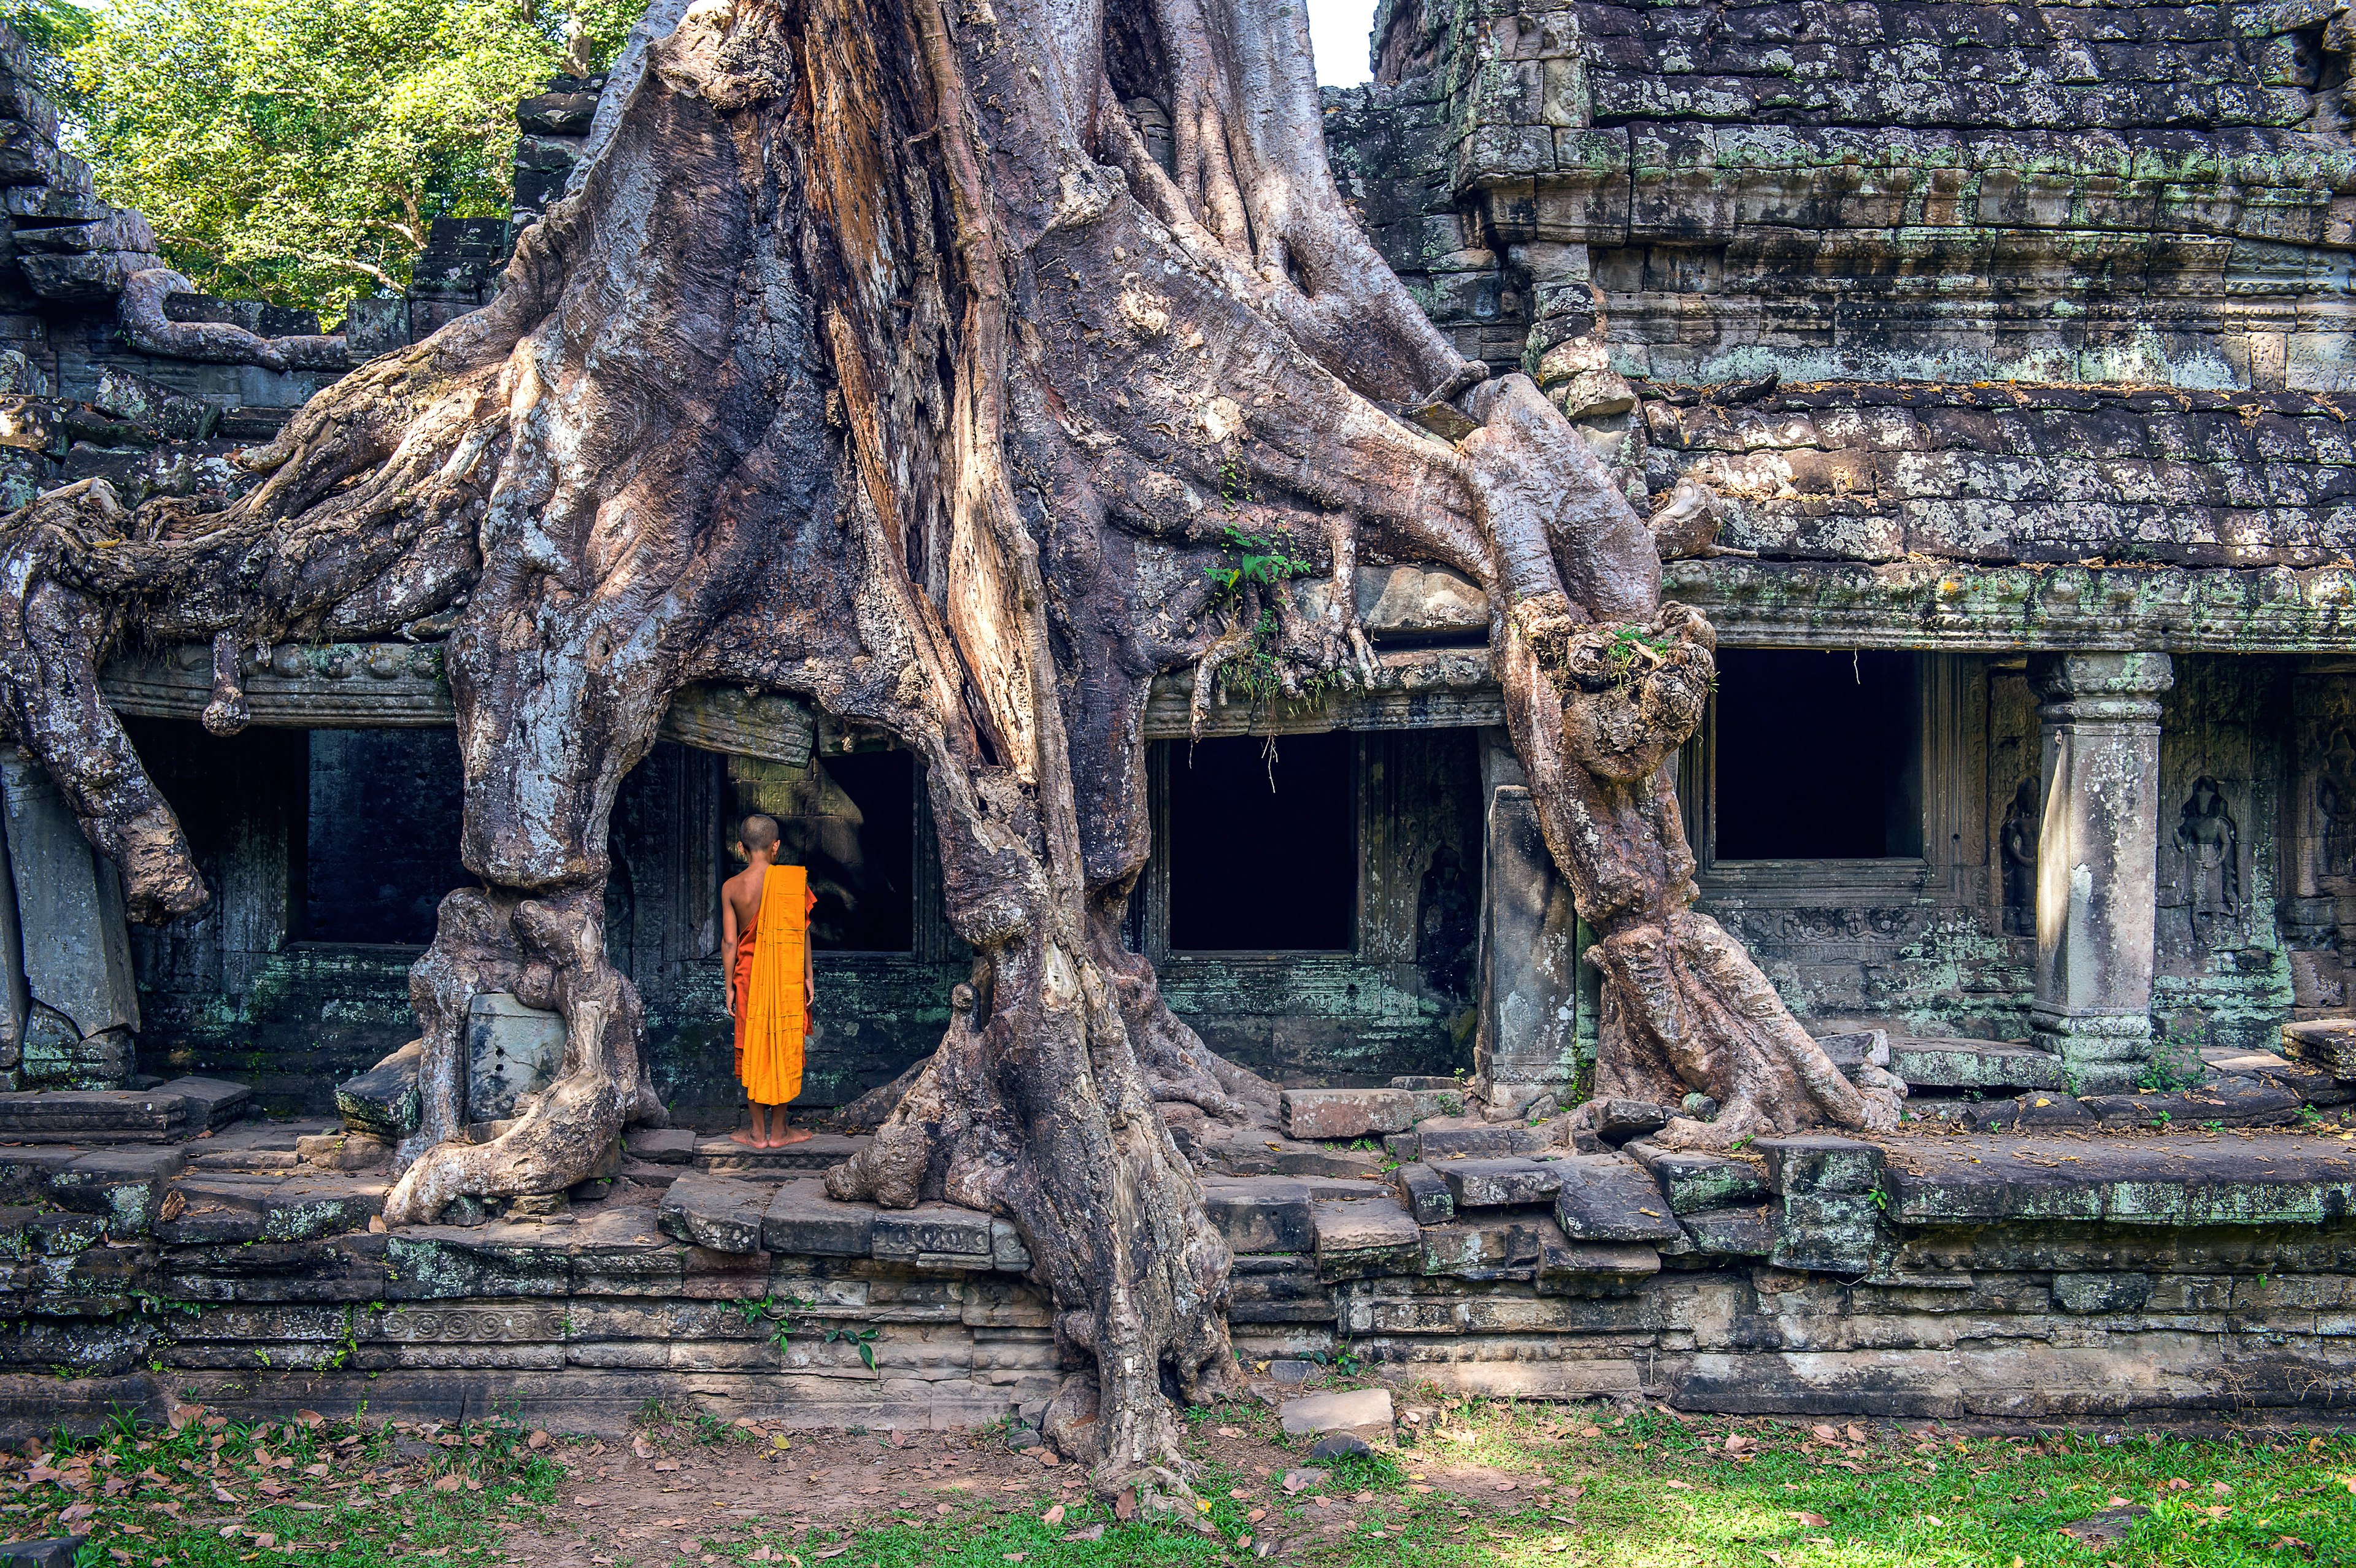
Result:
{"points": [[1617, 1121], [1983, 1064], [1340, 1445], [717, 1211], [1607, 1198], [2164, 1181], [1365, 1412], [2314, 1085], [2327, 1043], [213, 1103], [1346, 1113], [94, 1115], [2230, 1102], [1359, 1237], [2025, 1112], [1696, 1181], [1852, 1051], [56, 1551], [661, 1145], [1273, 1213], [1747, 1232], [1502, 1183], [801, 1218], [383, 1100]]}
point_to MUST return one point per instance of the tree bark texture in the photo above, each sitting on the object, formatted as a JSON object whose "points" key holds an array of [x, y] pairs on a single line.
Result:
{"points": [[873, 360]]}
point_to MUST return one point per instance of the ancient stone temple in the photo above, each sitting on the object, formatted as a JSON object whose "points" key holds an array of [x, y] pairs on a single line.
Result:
{"points": [[1983, 369]]}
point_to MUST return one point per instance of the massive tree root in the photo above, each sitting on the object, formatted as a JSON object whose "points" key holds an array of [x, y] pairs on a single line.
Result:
{"points": [[873, 360]]}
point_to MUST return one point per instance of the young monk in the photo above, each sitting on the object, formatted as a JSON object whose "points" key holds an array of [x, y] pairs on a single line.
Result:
{"points": [[764, 934]]}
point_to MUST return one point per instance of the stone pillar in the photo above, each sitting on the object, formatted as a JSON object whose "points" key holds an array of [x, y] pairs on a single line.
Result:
{"points": [[1526, 1054], [77, 944], [2097, 861]]}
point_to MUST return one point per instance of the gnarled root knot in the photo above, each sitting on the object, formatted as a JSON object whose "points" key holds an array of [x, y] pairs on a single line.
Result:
{"points": [[1687, 1007], [549, 953]]}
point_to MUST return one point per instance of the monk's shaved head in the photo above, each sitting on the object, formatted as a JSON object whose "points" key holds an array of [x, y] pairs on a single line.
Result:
{"points": [[758, 832]]}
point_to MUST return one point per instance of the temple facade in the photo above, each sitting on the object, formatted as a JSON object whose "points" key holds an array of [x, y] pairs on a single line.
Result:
{"points": [[1979, 365]]}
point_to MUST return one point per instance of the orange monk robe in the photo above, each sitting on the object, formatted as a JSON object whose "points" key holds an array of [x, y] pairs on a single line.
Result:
{"points": [[772, 996]]}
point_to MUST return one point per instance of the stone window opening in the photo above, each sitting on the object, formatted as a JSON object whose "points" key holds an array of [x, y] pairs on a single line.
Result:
{"points": [[1811, 757], [378, 850], [1262, 844], [850, 818]]}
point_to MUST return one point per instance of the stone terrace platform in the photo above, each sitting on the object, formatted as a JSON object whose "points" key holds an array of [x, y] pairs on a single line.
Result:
{"points": [[2091, 1269]]}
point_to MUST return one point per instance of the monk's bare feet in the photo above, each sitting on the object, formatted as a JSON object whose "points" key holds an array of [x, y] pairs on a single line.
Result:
{"points": [[750, 1140], [792, 1136]]}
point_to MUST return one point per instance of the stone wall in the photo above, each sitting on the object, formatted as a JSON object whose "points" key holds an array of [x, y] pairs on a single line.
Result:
{"points": [[1977, 1278]]}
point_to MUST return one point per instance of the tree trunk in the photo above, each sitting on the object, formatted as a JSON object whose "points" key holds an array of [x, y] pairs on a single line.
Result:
{"points": [[873, 360]]}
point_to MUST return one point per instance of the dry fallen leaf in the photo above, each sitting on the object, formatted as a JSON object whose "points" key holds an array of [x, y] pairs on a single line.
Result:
{"points": [[1054, 1516], [536, 1440], [1681, 1486], [1124, 1507], [1812, 1520], [1856, 1433], [449, 1483], [641, 1447], [1258, 1514]]}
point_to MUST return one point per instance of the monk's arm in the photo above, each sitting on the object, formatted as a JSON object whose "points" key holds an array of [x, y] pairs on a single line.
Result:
{"points": [[728, 947]]}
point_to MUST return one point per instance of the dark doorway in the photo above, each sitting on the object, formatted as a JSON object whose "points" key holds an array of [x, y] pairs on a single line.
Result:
{"points": [[382, 814], [851, 820], [1262, 853], [1817, 755]]}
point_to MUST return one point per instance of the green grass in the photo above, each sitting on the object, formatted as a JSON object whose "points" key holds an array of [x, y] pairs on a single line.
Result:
{"points": [[1643, 1491]]}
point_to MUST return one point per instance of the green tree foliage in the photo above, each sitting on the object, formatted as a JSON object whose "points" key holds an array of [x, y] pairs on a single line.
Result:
{"points": [[297, 150]]}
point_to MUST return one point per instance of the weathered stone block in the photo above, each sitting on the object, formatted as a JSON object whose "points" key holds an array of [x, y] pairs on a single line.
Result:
{"points": [[1562, 1262], [2232, 1102], [2102, 1291], [802, 1219], [1492, 1140], [1698, 1181], [77, 947], [383, 1100], [717, 1211], [1974, 1065], [1425, 1193], [1366, 1236], [1733, 1233], [1820, 1164], [1501, 1183], [2329, 1043], [933, 1236], [125, 1185], [662, 1145], [1433, 1096], [1526, 1048], [1261, 1214], [1366, 1412], [1606, 1198], [1617, 1121], [1831, 1233], [1346, 1113], [512, 1051], [50, 1551]]}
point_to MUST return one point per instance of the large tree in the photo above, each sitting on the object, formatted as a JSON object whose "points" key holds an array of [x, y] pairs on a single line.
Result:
{"points": [[874, 360]]}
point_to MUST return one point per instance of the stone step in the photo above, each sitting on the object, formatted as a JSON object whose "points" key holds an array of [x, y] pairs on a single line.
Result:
{"points": [[1502, 1183], [1346, 1113], [1694, 1182], [1984, 1064], [733, 1213], [1450, 1137], [213, 1103], [820, 1150], [98, 1115], [1275, 1213], [2151, 1182], [1607, 1198], [2316, 1085], [1358, 1237], [2327, 1043], [225, 1208]]}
